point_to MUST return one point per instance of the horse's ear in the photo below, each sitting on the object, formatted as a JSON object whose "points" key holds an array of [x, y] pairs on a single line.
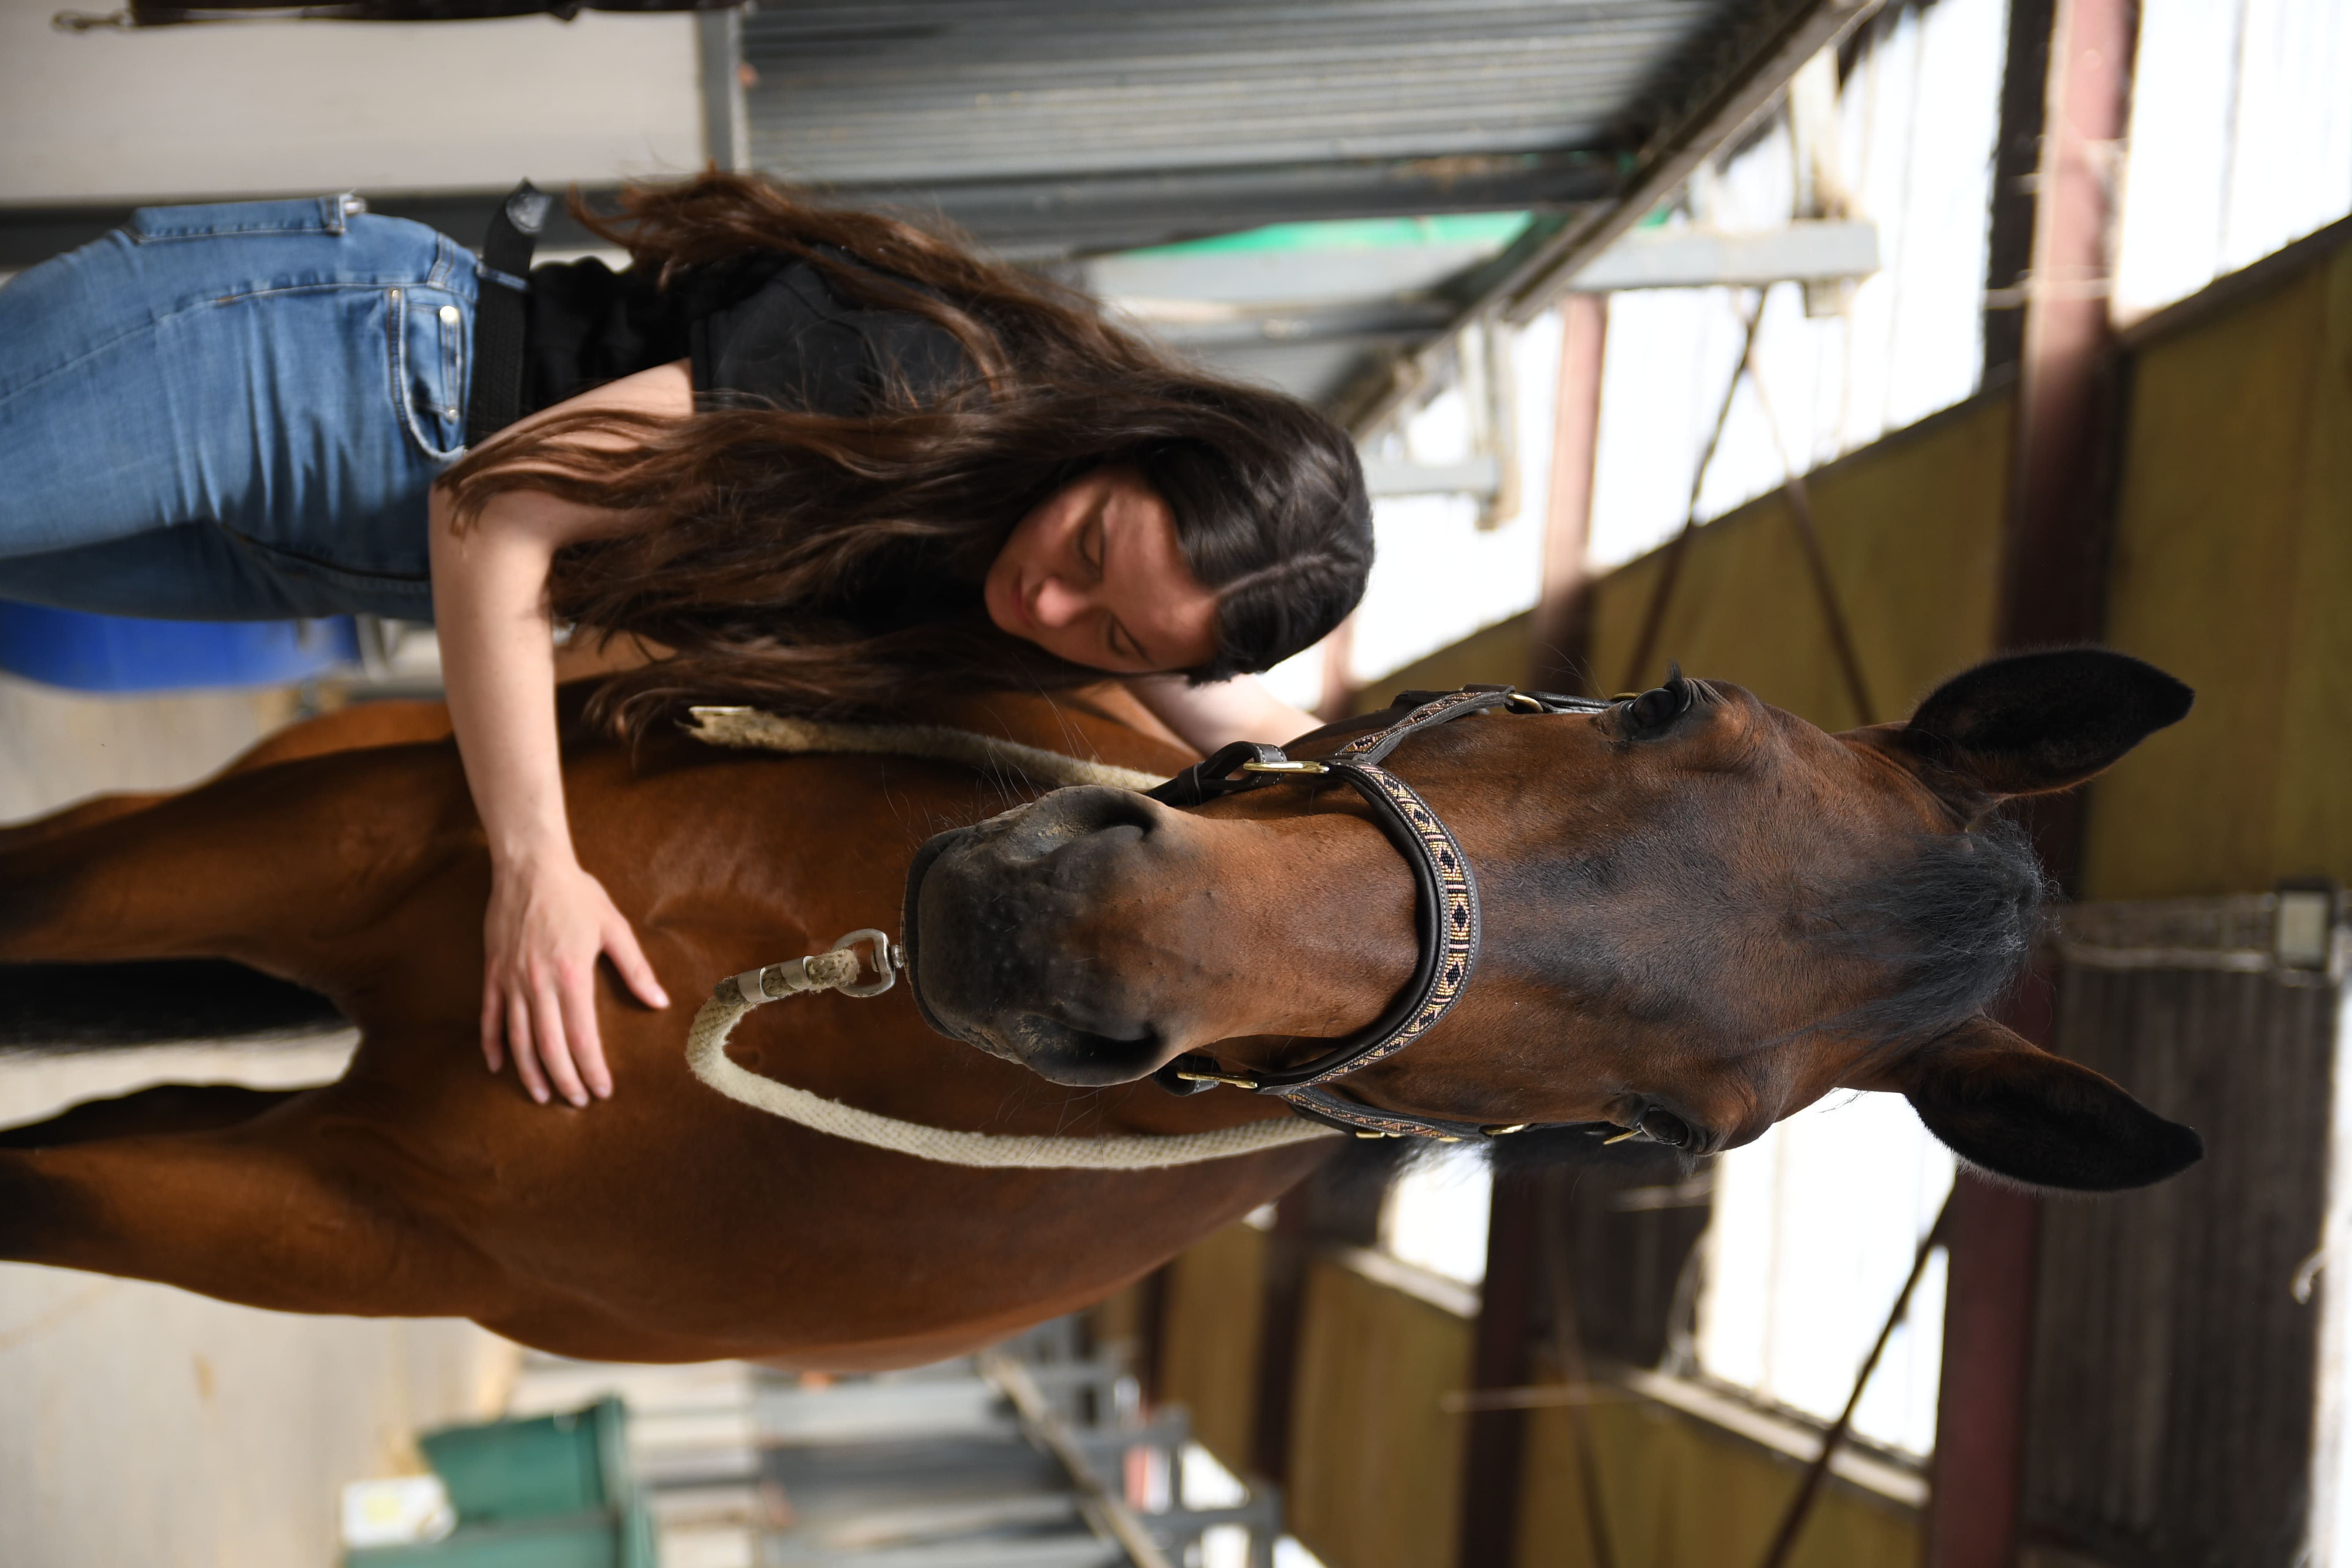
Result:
{"points": [[2034, 722], [2020, 1112]]}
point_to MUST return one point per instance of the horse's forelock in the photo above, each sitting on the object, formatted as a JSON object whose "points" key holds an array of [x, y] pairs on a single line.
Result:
{"points": [[1951, 927]]}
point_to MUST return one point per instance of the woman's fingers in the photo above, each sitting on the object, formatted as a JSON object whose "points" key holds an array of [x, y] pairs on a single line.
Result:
{"points": [[579, 997], [629, 961], [544, 935], [554, 1047], [519, 1045], [493, 1025]]}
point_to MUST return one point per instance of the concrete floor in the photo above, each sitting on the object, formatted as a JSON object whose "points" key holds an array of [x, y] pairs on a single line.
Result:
{"points": [[140, 1426]]}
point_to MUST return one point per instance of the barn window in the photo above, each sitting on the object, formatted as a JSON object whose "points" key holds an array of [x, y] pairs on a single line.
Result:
{"points": [[2240, 141], [1815, 1228], [1436, 1215]]}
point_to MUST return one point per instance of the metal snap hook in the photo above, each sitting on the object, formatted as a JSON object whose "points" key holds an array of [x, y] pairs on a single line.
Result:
{"points": [[888, 958]]}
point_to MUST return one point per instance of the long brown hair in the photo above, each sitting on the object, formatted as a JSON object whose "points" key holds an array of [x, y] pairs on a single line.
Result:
{"points": [[769, 533]]}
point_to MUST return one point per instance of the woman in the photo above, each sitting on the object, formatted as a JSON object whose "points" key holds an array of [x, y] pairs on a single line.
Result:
{"points": [[826, 460]]}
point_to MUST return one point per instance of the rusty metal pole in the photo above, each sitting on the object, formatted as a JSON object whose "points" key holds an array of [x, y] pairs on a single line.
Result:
{"points": [[1559, 652], [2065, 106], [1494, 1441]]}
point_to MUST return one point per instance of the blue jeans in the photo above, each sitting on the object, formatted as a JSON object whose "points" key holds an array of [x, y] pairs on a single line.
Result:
{"points": [[233, 413]]}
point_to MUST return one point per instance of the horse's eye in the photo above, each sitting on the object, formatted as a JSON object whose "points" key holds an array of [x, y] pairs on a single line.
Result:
{"points": [[1654, 712], [1664, 1127]]}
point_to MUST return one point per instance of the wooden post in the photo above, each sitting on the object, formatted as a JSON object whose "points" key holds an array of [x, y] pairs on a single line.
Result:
{"points": [[2066, 103], [1277, 1353], [1560, 654], [1495, 1443]]}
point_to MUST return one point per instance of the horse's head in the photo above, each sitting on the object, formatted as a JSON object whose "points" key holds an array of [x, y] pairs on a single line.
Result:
{"points": [[1701, 914]]}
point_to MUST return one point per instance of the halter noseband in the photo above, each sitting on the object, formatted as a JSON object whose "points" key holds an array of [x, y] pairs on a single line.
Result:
{"points": [[1445, 898]]}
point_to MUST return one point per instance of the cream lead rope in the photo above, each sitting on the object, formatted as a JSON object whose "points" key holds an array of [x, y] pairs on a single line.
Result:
{"points": [[837, 970]]}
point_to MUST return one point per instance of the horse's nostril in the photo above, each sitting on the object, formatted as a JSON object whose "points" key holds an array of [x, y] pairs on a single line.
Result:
{"points": [[1079, 811]]}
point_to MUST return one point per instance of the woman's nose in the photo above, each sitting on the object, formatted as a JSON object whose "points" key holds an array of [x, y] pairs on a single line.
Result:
{"points": [[1058, 604]]}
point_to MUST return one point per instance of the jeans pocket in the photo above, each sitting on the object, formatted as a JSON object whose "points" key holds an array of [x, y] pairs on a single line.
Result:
{"points": [[215, 220], [430, 331]]}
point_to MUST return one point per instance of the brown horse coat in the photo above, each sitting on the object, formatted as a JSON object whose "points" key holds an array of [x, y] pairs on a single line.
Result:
{"points": [[664, 1224]]}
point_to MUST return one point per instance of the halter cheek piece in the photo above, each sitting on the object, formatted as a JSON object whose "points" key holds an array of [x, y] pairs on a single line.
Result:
{"points": [[1445, 896]]}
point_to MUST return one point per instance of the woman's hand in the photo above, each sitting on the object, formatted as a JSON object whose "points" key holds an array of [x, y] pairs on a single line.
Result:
{"points": [[549, 921], [1208, 717]]}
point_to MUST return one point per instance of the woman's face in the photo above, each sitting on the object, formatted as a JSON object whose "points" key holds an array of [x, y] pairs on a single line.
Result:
{"points": [[1094, 575]]}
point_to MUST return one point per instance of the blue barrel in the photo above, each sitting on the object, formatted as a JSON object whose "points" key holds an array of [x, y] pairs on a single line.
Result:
{"points": [[118, 653]]}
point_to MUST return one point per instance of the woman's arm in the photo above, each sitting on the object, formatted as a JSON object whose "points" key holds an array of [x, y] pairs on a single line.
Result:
{"points": [[1218, 714], [549, 921]]}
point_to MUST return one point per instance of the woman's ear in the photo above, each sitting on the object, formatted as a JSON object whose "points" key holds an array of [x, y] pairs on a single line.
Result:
{"points": [[2016, 1111], [2030, 723]]}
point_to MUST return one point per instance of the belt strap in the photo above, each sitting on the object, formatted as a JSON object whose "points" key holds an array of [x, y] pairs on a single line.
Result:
{"points": [[502, 313]]}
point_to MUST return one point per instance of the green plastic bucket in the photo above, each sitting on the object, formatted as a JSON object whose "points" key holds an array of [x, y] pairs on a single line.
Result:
{"points": [[569, 1464]]}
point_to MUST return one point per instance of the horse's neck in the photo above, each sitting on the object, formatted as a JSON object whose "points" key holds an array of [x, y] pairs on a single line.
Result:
{"points": [[1103, 722]]}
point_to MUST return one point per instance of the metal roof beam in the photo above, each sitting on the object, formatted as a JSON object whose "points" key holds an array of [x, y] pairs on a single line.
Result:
{"points": [[1702, 257], [1755, 72]]}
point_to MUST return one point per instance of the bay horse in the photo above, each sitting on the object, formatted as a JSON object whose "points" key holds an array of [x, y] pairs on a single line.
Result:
{"points": [[1702, 913]]}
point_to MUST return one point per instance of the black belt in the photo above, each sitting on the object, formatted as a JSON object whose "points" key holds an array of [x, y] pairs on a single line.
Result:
{"points": [[502, 313]]}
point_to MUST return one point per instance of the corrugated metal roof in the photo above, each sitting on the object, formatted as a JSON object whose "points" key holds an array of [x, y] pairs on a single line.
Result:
{"points": [[940, 96], [914, 90], [1059, 128]]}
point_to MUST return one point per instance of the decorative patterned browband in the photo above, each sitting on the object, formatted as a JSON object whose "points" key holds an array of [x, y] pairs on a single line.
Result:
{"points": [[1445, 896]]}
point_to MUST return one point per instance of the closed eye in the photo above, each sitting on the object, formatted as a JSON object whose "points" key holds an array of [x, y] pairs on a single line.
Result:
{"points": [[1122, 642]]}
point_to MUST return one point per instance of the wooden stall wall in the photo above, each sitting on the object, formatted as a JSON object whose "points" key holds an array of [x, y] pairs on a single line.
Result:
{"points": [[1911, 526], [1211, 1318], [1375, 1462], [2232, 568], [1678, 1493], [2169, 1417]]}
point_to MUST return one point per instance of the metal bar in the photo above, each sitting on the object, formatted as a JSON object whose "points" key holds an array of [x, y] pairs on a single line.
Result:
{"points": [[1088, 214], [2054, 574], [719, 50], [1518, 293], [1972, 1514], [1561, 629], [1281, 1322], [1568, 1345], [1747, 91], [1102, 1505], [1804, 252], [1472, 476], [1487, 1516]]}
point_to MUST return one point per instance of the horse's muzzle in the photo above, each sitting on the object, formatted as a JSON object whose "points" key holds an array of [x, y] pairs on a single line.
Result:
{"points": [[996, 923]]}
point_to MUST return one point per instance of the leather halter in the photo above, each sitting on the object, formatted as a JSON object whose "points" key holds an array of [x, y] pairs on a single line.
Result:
{"points": [[1445, 896]]}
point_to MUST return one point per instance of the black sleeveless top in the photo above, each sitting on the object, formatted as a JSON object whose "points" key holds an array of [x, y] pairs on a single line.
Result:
{"points": [[767, 329], [763, 329]]}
